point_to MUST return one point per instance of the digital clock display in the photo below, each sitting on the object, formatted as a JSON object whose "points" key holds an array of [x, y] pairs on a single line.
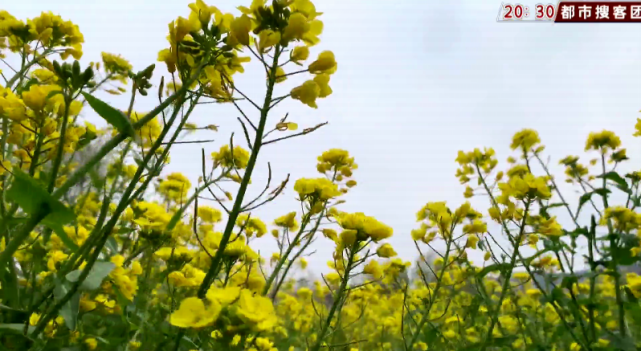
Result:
{"points": [[520, 12]]}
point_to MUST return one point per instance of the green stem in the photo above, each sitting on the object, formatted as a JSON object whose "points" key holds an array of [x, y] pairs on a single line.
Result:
{"points": [[506, 283], [61, 145], [527, 268], [338, 297], [20, 236], [214, 269], [36, 153], [283, 258], [434, 294], [25, 68], [296, 256], [614, 263]]}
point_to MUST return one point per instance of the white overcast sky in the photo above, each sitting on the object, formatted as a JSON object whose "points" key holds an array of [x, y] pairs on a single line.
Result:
{"points": [[416, 82]]}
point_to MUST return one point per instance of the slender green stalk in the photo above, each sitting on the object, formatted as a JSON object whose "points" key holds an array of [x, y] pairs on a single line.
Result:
{"points": [[291, 262], [338, 297], [61, 145], [284, 257], [434, 294], [214, 269], [21, 236], [36, 151], [508, 275], [614, 263], [591, 243], [25, 67], [527, 268]]}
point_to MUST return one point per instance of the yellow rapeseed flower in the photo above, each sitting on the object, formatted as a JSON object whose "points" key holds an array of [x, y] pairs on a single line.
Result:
{"points": [[195, 313]]}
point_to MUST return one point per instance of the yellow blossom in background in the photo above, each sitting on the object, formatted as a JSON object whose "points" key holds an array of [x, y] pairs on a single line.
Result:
{"points": [[251, 225], [91, 343], [287, 221], [115, 64], [256, 311], [237, 159], [527, 186], [209, 215], [525, 139], [195, 313], [386, 251], [604, 140], [316, 188]]}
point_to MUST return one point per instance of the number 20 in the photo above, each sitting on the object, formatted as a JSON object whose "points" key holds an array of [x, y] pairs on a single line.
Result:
{"points": [[512, 12]]}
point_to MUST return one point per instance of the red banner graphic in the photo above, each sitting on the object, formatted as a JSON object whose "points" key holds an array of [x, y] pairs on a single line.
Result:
{"points": [[596, 12]]}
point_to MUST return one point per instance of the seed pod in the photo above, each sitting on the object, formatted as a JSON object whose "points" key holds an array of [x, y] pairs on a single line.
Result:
{"points": [[148, 72], [67, 73], [162, 85], [76, 69], [192, 44], [57, 68], [87, 75]]}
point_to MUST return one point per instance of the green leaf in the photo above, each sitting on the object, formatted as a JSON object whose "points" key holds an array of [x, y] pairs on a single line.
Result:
{"points": [[69, 310], [96, 180], [569, 281], [99, 271], [53, 93], [617, 179], [15, 327], [626, 343], [60, 232], [538, 254], [582, 200], [112, 245], [602, 191], [543, 211], [111, 115], [631, 296], [33, 197], [587, 196], [493, 267], [622, 250]]}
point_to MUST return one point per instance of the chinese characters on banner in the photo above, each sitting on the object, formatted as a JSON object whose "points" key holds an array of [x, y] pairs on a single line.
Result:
{"points": [[595, 12]]}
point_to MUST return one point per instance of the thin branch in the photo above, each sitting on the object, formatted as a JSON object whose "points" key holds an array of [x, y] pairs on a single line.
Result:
{"points": [[249, 143], [240, 92], [278, 100], [243, 113], [8, 65], [190, 142], [196, 230], [305, 131], [274, 194], [269, 181], [292, 73]]}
